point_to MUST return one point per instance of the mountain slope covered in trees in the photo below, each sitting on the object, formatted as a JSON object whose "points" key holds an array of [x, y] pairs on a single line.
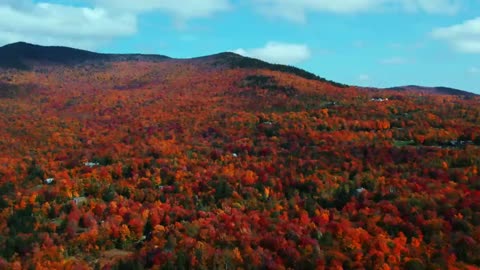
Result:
{"points": [[209, 163]]}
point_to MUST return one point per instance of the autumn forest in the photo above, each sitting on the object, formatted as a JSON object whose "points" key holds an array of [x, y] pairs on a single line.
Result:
{"points": [[225, 162]]}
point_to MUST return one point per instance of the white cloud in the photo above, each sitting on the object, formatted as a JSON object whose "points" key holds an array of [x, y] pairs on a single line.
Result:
{"points": [[89, 26], [464, 37], [277, 52], [296, 10], [53, 24], [364, 77], [394, 61], [184, 9]]}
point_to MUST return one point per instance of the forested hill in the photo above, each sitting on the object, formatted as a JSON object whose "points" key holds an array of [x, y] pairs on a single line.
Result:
{"points": [[225, 162]]}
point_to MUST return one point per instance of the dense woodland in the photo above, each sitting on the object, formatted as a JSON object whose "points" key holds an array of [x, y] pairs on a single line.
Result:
{"points": [[193, 165]]}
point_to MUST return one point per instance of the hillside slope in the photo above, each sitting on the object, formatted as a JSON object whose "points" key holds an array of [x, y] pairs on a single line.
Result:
{"points": [[23, 55], [203, 163]]}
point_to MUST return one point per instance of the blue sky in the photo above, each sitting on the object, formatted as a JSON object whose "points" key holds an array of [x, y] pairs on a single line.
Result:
{"points": [[378, 43]]}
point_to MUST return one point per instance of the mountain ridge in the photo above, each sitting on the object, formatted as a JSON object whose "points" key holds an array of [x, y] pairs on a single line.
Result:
{"points": [[434, 89], [19, 55], [23, 56]]}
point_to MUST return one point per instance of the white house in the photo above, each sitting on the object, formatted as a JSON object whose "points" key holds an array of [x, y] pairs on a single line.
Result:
{"points": [[79, 200], [49, 180], [91, 164], [360, 190]]}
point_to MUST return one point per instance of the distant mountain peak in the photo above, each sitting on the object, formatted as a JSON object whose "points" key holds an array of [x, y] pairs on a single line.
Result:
{"points": [[433, 90], [21, 55], [234, 60], [228, 54], [19, 43]]}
